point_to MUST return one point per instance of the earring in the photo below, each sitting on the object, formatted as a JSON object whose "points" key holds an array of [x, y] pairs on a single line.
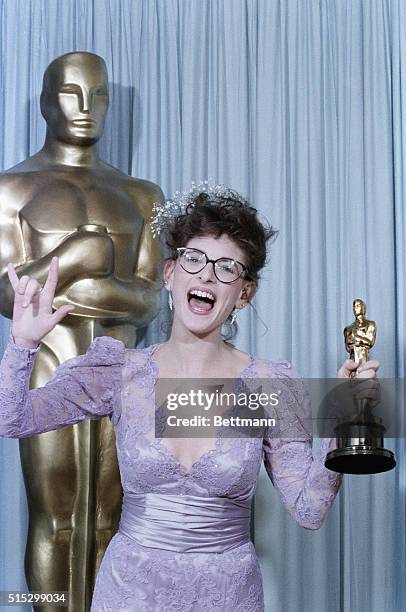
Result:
{"points": [[233, 317], [170, 300]]}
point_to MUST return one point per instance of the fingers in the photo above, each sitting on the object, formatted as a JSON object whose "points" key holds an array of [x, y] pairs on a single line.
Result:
{"points": [[368, 369], [62, 312], [348, 366], [22, 284], [32, 288], [28, 287], [365, 370], [24, 288], [367, 374], [52, 278], [12, 275]]}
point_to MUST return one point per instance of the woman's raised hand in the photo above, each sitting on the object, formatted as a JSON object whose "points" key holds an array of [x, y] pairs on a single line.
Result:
{"points": [[32, 312]]}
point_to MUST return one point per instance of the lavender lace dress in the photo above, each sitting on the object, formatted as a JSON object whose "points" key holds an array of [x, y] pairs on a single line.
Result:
{"points": [[183, 544]]}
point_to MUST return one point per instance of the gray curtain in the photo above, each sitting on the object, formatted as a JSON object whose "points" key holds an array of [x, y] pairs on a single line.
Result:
{"points": [[298, 104]]}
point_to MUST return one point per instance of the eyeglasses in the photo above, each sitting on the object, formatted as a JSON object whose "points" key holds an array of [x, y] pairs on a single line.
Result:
{"points": [[226, 270]]}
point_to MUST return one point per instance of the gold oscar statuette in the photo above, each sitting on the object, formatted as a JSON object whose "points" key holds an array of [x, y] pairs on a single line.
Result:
{"points": [[360, 445]]}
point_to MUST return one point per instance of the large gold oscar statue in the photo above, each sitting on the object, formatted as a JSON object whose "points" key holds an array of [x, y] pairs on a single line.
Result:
{"points": [[65, 201]]}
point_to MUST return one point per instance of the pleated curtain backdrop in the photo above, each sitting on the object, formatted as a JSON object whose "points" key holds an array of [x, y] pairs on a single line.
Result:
{"points": [[298, 104]]}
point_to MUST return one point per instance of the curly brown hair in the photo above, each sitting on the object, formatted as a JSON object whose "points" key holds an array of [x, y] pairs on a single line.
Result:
{"points": [[231, 215]]}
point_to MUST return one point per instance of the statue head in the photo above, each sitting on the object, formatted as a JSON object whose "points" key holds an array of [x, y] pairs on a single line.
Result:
{"points": [[74, 97], [359, 307]]}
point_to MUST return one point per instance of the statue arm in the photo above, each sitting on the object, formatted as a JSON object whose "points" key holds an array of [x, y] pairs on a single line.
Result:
{"points": [[349, 338], [150, 251], [88, 282], [136, 300], [367, 339], [74, 262], [354, 337], [372, 332]]}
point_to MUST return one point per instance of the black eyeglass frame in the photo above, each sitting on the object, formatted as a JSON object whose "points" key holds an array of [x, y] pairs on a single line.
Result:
{"points": [[181, 250]]}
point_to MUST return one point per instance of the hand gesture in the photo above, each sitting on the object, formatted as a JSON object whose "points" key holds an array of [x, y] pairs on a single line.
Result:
{"points": [[32, 311]]}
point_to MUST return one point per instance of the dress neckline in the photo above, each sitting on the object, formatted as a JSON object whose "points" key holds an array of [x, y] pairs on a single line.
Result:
{"points": [[181, 468], [154, 366]]}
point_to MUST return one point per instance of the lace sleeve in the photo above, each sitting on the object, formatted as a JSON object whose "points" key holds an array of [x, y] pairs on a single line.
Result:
{"points": [[297, 471], [83, 387]]}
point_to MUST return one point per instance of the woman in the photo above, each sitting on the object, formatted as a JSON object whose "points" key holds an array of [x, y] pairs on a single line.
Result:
{"points": [[183, 542]]}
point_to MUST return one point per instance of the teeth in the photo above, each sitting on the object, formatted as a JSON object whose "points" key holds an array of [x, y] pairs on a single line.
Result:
{"points": [[202, 294]]}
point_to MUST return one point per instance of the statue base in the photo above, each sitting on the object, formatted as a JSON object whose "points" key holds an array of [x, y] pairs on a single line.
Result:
{"points": [[360, 449]]}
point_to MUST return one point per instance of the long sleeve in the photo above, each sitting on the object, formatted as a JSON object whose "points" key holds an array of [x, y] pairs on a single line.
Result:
{"points": [[83, 387], [307, 488]]}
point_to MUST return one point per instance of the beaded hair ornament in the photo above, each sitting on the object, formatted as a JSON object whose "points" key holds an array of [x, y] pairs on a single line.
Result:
{"points": [[164, 214]]}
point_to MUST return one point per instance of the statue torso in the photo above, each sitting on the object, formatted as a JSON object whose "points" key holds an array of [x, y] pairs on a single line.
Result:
{"points": [[53, 202], [365, 329]]}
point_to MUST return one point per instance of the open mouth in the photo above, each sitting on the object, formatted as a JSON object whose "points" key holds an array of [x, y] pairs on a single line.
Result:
{"points": [[200, 301]]}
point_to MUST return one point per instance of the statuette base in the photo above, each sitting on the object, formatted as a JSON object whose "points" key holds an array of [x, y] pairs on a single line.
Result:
{"points": [[359, 459]]}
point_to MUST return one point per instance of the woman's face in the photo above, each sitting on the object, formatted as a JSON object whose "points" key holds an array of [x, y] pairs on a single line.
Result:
{"points": [[191, 314]]}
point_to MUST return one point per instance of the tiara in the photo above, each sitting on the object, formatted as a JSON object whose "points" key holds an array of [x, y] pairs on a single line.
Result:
{"points": [[165, 213]]}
